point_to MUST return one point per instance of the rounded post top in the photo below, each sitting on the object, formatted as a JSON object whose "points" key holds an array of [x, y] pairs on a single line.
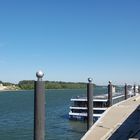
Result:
{"points": [[90, 80], [39, 75]]}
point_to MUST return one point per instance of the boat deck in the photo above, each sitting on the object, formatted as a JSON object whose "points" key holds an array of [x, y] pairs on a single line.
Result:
{"points": [[109, 126]]}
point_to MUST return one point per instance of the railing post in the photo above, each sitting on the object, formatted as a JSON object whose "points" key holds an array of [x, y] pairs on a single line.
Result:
{"points": [[126, 91], [39, 108], [139, 89], [134, 90], [89, 104], [110, 94]]}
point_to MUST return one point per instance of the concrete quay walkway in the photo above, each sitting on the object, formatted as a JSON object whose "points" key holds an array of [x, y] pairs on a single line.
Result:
{"points": [[119, 122]]}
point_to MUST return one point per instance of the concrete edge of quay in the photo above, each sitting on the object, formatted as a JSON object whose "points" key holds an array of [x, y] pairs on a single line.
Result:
{"points": [[106, 125]]}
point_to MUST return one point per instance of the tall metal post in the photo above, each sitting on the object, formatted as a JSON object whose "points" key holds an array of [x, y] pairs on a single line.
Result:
{"points": [[89, 104], [134, 90], [110, 94], [126, 91], [39, 108]]}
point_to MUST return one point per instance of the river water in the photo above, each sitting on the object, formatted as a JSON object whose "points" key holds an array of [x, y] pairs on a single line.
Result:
{"points": [[16, 115]]}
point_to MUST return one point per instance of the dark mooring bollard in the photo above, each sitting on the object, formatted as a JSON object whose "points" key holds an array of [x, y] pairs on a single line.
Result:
{"points": [[125, 91], [139, 89], [134, 90], [89, 104], [110, 94], [39, 108]]}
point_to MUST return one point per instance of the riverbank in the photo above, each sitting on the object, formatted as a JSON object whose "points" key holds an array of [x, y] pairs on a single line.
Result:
{"points": [[9, 88]]}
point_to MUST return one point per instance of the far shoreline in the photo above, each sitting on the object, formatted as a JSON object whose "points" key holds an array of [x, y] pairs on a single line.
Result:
{"points": [[8, 90]]}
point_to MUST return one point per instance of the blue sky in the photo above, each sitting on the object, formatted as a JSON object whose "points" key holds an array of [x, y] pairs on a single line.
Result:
{"points": [[70, 40]]}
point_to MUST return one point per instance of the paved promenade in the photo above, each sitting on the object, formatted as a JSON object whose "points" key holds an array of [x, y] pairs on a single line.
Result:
{"points": [[121, 121]]}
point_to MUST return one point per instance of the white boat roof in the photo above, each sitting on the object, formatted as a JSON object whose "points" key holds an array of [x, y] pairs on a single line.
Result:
{"points": [[102, 98], [82, 99]]}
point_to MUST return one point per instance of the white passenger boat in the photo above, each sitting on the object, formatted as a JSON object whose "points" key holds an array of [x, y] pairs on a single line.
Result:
{"points": [[78, 108]]}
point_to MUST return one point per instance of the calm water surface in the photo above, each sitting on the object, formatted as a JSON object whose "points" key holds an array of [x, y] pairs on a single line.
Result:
{"points": [[16, 115]]}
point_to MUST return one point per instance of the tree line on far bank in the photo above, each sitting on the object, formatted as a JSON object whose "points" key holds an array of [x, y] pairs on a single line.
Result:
{"points": [[29, 84]]}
